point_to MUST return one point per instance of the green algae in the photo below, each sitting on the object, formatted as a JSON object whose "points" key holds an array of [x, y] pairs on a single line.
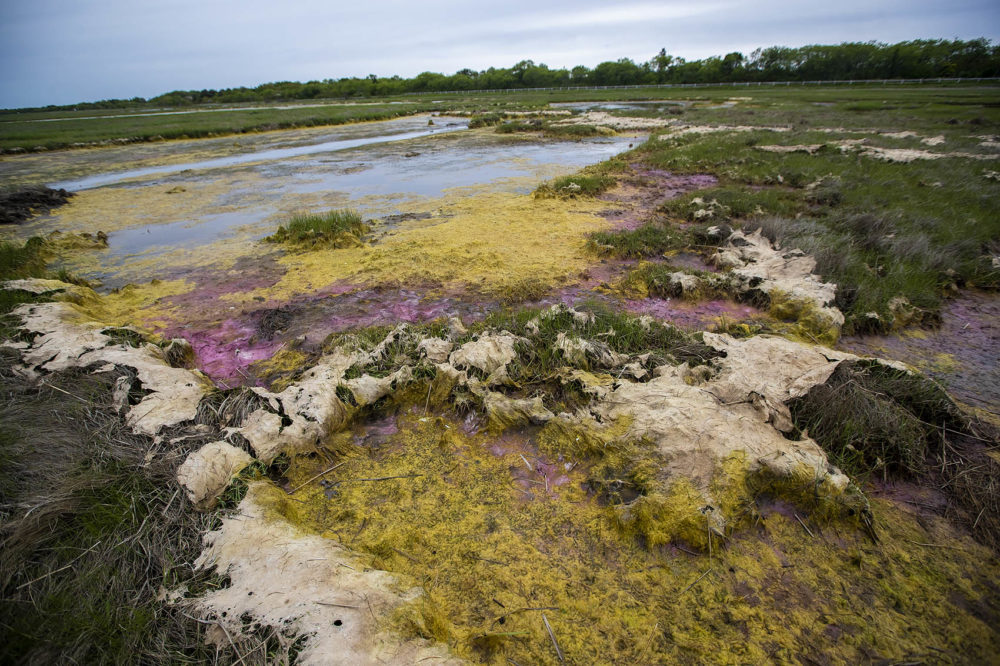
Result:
{"points": [[802, 319], [478, 523]]}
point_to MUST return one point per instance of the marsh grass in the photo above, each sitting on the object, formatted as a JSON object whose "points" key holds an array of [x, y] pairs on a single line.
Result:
{"points": [[587, 183], [650, 240], [92, 529], [62, 130], [878, 422], [336, 228], [878, 230]]}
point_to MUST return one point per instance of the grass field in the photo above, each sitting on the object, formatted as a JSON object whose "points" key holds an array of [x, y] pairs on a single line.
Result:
{"points": [[41, 130]]}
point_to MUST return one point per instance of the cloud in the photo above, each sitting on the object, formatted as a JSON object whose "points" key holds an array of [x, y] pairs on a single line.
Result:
{"points": [[62, 51]]}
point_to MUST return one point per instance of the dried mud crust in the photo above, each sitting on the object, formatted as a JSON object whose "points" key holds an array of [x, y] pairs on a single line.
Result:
{"points": [[963, 353]]}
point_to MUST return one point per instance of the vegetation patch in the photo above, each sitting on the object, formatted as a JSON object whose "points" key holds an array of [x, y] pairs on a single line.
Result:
{"points": [[94, 531], [877, 421], [335, 229], [18, 206], [518, 555]]}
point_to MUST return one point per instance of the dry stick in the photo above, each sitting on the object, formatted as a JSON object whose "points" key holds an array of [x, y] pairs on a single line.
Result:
{"points": [[936, 545], [164, 512], [61, 568], [324, 472], [553, 637], [804, 526], [66, 392], [224, 630], [707, 571], [323, 603], [385, 478]]}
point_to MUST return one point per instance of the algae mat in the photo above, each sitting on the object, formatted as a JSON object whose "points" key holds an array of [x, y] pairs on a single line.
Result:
{"points": [[500, 533]]}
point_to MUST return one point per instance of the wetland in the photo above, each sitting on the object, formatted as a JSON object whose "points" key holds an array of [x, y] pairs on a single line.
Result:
{"points": [[608, 380]]}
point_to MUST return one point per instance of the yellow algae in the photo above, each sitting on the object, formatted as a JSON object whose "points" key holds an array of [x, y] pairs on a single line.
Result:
{"points": [[139, 305], [279, 369], [110, 209], [474, 521], [496, 244]]}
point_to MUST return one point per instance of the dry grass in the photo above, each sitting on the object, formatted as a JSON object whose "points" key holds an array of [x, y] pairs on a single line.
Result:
{"points": [[94, 527], [876, 421]]}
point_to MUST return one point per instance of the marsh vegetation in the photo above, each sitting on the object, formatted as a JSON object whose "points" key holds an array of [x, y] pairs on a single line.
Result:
{"points": [[538, 522]]}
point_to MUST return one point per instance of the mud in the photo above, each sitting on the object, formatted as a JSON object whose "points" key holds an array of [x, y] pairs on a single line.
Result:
{"points": [[961, 353], [637, 195], [20, 206]]}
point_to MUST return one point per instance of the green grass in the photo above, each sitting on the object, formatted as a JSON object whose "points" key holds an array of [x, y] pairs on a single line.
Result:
{"points": [[336, 228], [25, 134], [650, 240], [80, 570], [879, 230]]}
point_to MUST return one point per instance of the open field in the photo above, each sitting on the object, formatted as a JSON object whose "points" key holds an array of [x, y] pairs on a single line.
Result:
{"points": [[58, 129], [607, 378]]}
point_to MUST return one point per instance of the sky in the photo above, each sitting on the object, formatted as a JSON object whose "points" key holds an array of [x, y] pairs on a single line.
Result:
{"points": [[66, 51]]}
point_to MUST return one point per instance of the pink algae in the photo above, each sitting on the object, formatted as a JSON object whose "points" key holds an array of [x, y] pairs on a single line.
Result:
{"points": [[691, 315]]}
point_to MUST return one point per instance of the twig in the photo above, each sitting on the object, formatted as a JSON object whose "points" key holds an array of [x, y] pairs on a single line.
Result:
{"points": [[164, 512], [553, 637], [407, 556], [224, 630], [806, 527], [61, 568], [935, 545], [66, 392], [324, 472], [323, 603], [708, 571], [385, 478], [526, 463]]}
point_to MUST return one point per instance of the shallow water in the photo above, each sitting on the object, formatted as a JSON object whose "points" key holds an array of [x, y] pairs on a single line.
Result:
{"points": [[233, 200], [272, 155]]}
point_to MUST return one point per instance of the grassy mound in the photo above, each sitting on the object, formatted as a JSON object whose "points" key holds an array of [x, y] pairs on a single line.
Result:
{"points": [[336, 228]]}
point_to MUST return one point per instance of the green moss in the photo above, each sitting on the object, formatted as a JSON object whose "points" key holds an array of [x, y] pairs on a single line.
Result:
{"points": [[802, 319]]}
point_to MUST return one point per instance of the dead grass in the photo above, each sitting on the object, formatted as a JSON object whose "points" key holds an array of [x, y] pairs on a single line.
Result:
{"points": [[94, 527], [875, 421]]}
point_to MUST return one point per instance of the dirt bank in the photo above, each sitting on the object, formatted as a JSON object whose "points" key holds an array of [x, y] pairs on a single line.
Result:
{"points": [[21, 205]]}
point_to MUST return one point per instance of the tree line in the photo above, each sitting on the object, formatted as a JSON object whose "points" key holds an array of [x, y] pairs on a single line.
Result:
{"points": [[926, 58]]}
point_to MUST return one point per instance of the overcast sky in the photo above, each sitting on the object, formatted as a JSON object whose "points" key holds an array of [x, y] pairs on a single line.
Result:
{"points": [[65, 51]]}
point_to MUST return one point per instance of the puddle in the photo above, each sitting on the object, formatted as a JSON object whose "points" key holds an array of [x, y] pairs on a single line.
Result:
{"points": [[201, 212], [961, 353], [274, 154]]}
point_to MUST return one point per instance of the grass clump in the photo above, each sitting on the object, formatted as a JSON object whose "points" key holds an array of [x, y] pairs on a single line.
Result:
{"points": [[650, 240], [877, 421], [578, 185], [336, 229], [485, 120]]}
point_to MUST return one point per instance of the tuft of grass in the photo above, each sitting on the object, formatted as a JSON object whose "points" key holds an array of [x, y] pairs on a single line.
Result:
{"points": [[650, 240], [876, 421], [579, 185], [23, 261], [336, 228]]}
